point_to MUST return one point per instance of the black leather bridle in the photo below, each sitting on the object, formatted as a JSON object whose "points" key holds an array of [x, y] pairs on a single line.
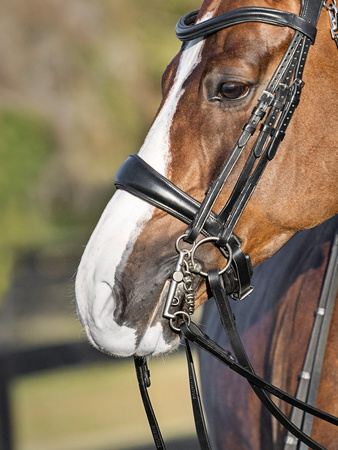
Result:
{"points": [[274, 110]]}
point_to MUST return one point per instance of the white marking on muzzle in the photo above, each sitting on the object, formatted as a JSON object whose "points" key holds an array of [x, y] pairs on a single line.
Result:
{"points": [[113, 240], [153, 343]]}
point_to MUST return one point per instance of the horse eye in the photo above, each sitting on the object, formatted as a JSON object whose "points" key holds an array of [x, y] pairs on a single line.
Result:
{"points": [[233, 90]]}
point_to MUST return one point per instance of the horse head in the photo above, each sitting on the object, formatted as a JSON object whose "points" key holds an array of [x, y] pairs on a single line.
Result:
{"points": [[209, 90]]}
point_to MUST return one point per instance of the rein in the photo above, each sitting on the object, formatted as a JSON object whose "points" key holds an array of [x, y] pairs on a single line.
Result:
{"points": [[242, 366], [274, 111]]}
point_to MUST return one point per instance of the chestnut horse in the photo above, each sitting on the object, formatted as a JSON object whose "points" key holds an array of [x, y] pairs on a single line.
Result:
{"points": [[209, 91]]}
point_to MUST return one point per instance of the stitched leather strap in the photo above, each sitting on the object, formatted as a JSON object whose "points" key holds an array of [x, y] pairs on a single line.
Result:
{"points": [[229, 324], [143, 378], [288, 68], [194, 334], [243, 367], [310, 10], [186, 30], [200, 424], [310, 376], [140, 179]]}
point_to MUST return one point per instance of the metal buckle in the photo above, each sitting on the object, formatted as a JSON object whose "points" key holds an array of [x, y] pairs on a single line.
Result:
{"points": [[203, 241], [185, 317], [270, 96]]}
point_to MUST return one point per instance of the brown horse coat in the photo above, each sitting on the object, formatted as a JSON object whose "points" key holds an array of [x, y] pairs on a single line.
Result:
{"points": [[275, 323]]}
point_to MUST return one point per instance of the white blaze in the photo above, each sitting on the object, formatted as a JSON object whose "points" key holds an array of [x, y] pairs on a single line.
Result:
{"points": [[120, 225], [158, 137]]}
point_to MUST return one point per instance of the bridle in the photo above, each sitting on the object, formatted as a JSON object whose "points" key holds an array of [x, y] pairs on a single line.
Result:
{"points": [[274, 111]]}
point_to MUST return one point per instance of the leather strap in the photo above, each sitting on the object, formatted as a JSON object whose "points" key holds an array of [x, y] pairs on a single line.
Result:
{"points": [[244, 367], [143, 378], [310, 376], [161, 193], [200, 425], [194, 334], [229, 324], [310, 10], [288, 68], [140, 179], [187, 30]]}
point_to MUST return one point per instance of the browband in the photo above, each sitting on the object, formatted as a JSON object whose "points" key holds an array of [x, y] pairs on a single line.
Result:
{"points": [[187, 30]]}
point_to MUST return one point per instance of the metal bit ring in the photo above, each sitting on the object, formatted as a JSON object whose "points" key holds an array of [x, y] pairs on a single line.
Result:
{"points": [[211, 239], [177, 244], [185, 317]]}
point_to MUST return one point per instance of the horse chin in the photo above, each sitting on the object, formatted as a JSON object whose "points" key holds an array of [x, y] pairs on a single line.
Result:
{"points": [[157, 341], [124, 319], [158, 338], [124, 341], [140, 336]]}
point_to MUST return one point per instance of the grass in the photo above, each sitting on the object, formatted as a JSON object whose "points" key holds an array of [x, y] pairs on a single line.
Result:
{"points": [[98, 407]]}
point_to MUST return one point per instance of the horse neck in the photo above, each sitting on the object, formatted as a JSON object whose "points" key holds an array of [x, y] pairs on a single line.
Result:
{"points": [[288, 287]]}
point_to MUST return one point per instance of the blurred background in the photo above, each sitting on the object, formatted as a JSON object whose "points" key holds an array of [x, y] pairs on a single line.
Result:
{"points": [[79, 87]]}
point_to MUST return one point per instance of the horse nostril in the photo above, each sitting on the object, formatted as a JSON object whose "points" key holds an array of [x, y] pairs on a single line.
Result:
{"points": [[120, 296]]}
